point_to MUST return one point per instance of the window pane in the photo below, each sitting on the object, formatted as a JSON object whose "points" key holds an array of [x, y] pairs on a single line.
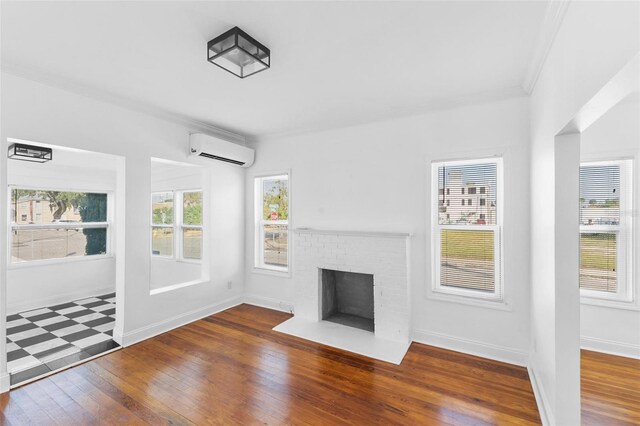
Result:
{"points": [[470, 195], [192, 208], [276, 244], [162, 207], [600, 195], [192, 243], [275, 199], [41, 244], [466, 259], [598, 261], [162, 241], [35, 206]]}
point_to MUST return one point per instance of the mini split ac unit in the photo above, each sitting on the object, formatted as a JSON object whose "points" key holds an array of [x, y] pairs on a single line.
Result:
{"points": [[205, 146]]}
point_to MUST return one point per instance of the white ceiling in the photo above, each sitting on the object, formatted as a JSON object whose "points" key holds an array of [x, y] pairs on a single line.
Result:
{"points": [[333, 63]]}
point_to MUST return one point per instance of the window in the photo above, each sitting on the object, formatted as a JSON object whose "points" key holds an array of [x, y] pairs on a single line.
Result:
{"points": [[176, 213], [483, 190], [472, 191], [49, 224], [483, 202], [467, 241], [192, 225], [272, 222], [605, 229]]}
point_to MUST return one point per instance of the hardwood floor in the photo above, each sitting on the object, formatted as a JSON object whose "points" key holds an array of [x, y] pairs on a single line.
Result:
{"points": [[610, 389], [231, 368]]}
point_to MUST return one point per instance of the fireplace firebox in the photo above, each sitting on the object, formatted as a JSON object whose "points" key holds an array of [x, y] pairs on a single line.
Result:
{"points": [[347, 298]]}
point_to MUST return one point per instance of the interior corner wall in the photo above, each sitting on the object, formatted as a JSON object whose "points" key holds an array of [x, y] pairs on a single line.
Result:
{"points": [[376, 177], [595, 40], [611, 329], [41, 113]]}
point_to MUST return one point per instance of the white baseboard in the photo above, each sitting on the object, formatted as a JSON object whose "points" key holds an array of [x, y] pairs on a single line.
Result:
{"points": [[267, 302], [5, 382], [628, 350], [472, 347], [544, 407], [35, 303], [143, 333]]}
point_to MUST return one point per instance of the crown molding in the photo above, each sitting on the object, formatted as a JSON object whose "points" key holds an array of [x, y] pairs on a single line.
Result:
{"points": [[430, 107], [556, 10], [59, 82]]}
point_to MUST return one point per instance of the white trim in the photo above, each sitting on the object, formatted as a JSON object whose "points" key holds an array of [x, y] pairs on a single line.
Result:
{"points": [[628, 350], [612, 304], [172, 287], [554, 15], [501, 305], [624, 237], [269, 303], [5, 382], [107, 225], [471, 347], [272, 272], [542, 401], [178, 227], [152, 330], [47, 78], [429, 107], [62, 225], [498, 295], [354, 233], [259, 265]]}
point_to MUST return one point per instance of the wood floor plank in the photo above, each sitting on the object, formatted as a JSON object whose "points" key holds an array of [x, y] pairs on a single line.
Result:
{"points": [[233, 369], [610, 389]]}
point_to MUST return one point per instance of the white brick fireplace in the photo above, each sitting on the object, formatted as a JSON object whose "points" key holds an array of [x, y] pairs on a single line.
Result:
{"points": [[383, 255]]}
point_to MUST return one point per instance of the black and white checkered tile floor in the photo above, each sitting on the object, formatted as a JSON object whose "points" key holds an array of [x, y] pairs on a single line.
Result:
{"points": [[47, 339]]}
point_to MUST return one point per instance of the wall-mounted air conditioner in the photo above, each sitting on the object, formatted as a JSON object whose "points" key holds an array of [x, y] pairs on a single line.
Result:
{"points": [[209, 147]]}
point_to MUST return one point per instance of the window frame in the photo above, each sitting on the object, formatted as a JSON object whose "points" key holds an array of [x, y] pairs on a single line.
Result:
{"points": [[259, 265], [177, 226], [498, 295], [623, 232], [11, 226]]}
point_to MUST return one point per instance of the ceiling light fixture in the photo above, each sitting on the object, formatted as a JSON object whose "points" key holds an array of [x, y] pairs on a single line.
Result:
{"points": [[24, 152], [238, 53]]}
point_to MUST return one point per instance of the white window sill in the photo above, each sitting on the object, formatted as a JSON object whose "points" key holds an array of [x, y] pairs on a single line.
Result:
{"points": [[59, 261], [173, 259], [272, 272], [498, 304], [608, 303], [173, 287]]}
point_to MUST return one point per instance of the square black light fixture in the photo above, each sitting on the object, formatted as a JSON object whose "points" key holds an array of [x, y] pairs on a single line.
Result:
{"points": [[238, 53], [24, 152]]}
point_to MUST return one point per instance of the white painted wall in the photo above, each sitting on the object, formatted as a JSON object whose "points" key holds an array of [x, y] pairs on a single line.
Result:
{"points": [[604, 328], [595, 41], [33, 285], [37, 112], [376, 177]]}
